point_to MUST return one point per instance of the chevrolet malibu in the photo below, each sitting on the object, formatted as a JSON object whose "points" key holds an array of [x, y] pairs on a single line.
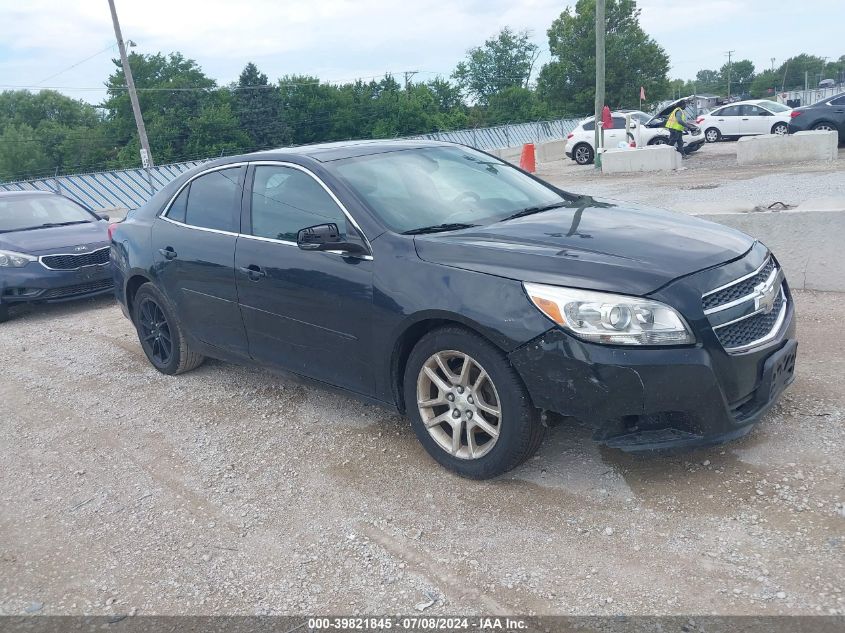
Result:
{"points": [[51, 250], [464, 292]]}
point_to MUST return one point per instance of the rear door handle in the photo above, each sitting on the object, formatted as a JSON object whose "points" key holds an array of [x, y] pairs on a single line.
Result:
{"points": [[168, 252], [253, 272]]}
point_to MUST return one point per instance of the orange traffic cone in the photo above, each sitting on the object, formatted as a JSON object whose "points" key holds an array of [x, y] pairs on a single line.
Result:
{"points": [[527, 161]]}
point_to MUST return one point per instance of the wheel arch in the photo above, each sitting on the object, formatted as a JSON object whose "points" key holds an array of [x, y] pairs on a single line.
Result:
{"points": [[410, 334], [133, 283]]}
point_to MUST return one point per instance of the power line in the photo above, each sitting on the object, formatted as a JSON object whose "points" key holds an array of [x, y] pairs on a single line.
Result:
{"points": [[79, 63]]}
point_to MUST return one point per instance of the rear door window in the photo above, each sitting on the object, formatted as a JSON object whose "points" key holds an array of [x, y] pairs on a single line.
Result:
{"points": [[214, 200], [179, 206]]}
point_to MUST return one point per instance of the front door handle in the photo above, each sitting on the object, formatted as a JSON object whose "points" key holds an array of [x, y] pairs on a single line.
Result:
{"points": [[168, 252], [253, 272]]}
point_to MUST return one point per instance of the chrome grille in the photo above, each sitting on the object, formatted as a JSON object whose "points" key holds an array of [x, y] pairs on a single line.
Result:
{"points": [[749, 311], [66, 261], [738, 289]]}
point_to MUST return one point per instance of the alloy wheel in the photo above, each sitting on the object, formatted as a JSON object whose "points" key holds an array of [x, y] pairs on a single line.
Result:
{"points": [[459, 405], [780, 129], [582, 155], [824, 127], [155, 332], [712, 136]]}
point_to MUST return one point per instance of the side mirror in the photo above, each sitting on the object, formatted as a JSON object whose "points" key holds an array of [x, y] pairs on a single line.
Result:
{"points": [[326, 237]]}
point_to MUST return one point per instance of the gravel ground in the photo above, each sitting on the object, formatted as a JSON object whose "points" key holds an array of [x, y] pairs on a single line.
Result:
{"points": [[233, 490], [710, 181]]}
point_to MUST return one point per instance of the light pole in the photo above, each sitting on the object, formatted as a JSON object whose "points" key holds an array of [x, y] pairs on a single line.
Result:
{"points": [[600, 61]]}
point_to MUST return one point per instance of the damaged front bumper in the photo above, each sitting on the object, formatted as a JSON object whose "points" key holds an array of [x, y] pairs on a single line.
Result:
{"points": [[641, 399]]}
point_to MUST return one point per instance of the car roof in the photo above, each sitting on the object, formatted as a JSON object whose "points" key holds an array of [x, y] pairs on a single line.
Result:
{"points": [[326, 152]]}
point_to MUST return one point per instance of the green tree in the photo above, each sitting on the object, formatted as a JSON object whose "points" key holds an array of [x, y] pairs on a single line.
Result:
{"points": [[172, 91], [633, 59], [501, 62], [515, 104], [257, 106], [765, 85], [741, 76], [792, 71], [21, 153]]}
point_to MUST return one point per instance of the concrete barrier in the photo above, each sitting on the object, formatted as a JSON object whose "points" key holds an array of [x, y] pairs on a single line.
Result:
{"points": [[510, 154], [649, 158], [809, 244], [551, 151], [769, 149]]}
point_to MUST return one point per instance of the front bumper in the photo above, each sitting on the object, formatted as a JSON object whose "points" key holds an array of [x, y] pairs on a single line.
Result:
{"points": [[659, 398], [34, 283]]}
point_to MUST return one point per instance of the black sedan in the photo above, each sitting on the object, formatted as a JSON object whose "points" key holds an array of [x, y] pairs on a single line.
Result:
{"points": [[826, 115], [51, 250], [450, 285]]}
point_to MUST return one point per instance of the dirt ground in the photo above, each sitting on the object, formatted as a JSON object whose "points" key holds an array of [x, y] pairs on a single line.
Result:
{"points": [[233, 490], [711, 181]]}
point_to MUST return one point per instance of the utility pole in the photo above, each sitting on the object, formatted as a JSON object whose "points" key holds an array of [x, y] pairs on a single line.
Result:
{"points": [[146, 154], [600, 60], [408, 74], [729, 53]]}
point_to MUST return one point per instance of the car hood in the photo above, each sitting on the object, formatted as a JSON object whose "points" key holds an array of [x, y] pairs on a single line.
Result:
{"points": [[590, 243], [54, 239]]}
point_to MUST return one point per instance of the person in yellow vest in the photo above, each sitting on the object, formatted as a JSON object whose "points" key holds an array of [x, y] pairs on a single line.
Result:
{"points": [[676, 124]]}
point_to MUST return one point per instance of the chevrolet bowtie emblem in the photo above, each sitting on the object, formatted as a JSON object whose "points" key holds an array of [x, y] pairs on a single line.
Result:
{"points": [[766, 294]]}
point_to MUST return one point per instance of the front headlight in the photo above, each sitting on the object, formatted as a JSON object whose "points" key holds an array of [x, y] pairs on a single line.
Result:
{"points": [[10, 259], [601, 317]]}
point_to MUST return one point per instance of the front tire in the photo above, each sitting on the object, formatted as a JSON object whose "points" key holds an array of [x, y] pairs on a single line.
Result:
{"points": [[468, 406], [583, 154], [712, 135], [824, 126], [4, 313], [161, 334]]}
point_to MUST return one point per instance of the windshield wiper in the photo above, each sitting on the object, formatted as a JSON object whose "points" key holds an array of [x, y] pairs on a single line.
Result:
{"points": [[47, 225], [532, 210], [437, 228]]}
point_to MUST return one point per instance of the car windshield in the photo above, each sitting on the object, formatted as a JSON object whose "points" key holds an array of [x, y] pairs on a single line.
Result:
{"points": [[442, 188], [18, 213], [773, 106], [642, 117]]}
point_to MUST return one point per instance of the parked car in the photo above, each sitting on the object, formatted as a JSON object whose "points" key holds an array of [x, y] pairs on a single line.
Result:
{"points": [[745, 118], [645, 129], [454, 287], [51, 250], [827, 114]]}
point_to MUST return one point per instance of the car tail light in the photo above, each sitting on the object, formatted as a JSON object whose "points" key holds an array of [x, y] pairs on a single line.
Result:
{"points": [[569, 136], [699, 120], [112, 228], [795, 113]]}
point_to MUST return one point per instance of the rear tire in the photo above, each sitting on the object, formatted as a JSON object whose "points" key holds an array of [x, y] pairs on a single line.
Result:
{"points": [[659, 140], [781, 129], [583, 154], [4, 313], [465, 404], [160, 333], [712, 135]]}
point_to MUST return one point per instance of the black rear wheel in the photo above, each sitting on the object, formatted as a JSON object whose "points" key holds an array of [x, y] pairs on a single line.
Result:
{"points": [[780, 129], [160, 333], [712, 135]]}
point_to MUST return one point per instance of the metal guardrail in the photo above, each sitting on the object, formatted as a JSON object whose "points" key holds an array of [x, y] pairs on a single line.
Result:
{"points": [[129, 188]]}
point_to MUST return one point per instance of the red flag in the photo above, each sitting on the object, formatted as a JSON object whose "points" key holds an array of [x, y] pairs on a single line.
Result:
{"points": [[606, 119], [642, 93]]}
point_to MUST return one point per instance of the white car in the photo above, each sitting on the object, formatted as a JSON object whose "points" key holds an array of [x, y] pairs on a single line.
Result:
{"points": [[645, 130], [745, 118]]}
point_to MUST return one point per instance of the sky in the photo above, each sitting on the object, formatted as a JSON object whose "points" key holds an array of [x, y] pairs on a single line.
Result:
{"points": [[69, 45]]}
